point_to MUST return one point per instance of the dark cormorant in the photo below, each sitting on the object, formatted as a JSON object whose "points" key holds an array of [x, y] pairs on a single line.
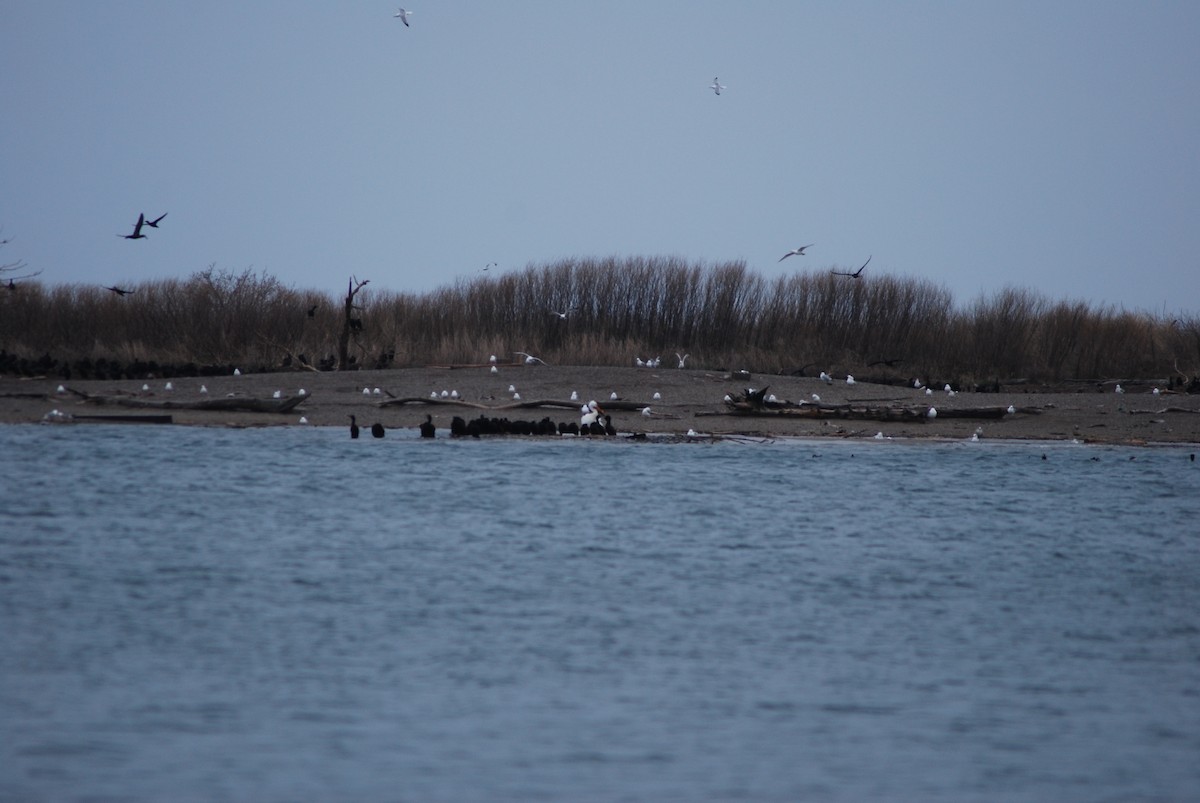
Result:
{"points": [[353, 427], [137, 230], [856, 275], [377, 430], [428, 429]]}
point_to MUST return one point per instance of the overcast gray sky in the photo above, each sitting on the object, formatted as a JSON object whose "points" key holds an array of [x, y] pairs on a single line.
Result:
{"points": [[1053, 146]]}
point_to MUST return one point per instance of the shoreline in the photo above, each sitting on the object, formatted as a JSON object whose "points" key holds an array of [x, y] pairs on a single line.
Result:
{"points": [[689, 400]]}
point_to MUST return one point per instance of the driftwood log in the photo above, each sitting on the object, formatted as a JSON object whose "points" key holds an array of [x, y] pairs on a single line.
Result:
{"points": [[751, 403], [241, 404], [618, 404]]}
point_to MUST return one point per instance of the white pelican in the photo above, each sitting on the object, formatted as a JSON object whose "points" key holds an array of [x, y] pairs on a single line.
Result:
{"points": [[682, 359], [717, 86], [591, 415], [403, 15], [796, 252]]}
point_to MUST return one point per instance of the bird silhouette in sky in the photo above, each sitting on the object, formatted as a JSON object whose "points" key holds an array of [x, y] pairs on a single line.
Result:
{"points": [[855, 275], [121, 291], [796, 252], [717, 86], [154, 223], [137, 230], [403, 15]]}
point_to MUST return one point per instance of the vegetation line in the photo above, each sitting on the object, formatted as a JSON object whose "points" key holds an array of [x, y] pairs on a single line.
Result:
{"points": [[723, 316]]}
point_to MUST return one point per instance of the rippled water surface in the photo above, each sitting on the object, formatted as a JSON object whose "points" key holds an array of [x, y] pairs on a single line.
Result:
{"points": [[273, 615]]}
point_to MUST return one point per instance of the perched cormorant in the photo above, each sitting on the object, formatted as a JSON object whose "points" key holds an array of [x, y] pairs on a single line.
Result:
{"points": [[353, 427], [427, 429], [377, 430]]}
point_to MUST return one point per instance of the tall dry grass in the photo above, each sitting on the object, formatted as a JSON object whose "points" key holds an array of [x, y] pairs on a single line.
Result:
{"points": [[723, 315]]}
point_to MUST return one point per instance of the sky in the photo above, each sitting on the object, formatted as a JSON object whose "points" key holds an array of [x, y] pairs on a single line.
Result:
{"points": [[1049, 146]]}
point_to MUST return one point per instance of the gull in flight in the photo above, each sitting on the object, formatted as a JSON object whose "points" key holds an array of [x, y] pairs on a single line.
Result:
{"points": [[796, 252], [717, 86], [682, 359], [562, 315], [855, 275], [530, 359], [137, 230], [403, 15]]}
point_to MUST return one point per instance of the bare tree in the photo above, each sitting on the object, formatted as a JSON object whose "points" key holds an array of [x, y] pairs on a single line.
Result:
{"points": [[13, 272], [350, 323]]}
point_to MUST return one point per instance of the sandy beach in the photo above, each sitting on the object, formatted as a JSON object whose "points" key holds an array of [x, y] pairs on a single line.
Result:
{"points": [[689, 400]]}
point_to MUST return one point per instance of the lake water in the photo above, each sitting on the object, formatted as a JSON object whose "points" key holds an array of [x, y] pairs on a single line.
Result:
{"points": [[286, 614]]}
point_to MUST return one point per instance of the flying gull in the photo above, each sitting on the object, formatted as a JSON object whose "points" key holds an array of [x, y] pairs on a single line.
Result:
{"points": [[796, 252]]}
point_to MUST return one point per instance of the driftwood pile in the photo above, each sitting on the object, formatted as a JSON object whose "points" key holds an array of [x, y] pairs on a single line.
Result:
{"points": [[756, 403], [240, 404]]}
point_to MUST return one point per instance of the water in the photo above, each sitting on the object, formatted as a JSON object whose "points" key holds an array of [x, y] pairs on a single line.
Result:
{"points": [[274, 615]]}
